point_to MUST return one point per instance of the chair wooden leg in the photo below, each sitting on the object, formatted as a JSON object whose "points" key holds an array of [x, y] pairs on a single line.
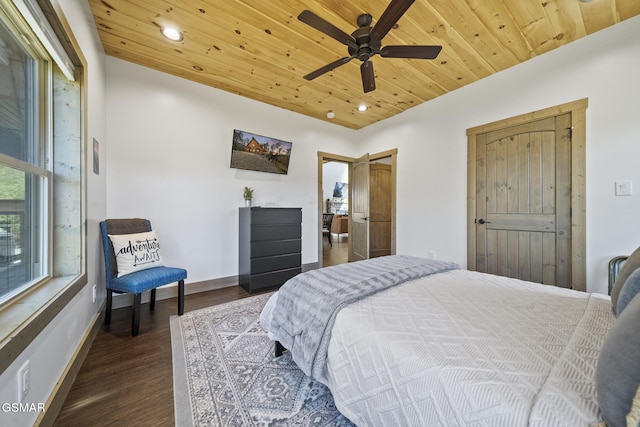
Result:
{"points": [[107, 316], [180, 297], [152, 301], [135, 321]]}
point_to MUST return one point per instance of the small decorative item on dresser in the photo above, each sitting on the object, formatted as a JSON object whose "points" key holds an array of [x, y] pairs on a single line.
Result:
{"points": [[247, 193]]}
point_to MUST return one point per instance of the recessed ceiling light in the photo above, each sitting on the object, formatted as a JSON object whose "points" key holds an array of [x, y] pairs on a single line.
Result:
{"points": [[362, 107], [331, 115], [172, 34]]}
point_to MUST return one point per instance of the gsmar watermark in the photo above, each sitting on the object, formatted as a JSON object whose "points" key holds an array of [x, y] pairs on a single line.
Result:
{"points": [[22, 407]]}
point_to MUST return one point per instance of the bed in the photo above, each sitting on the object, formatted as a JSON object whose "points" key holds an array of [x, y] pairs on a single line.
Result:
{"points": [[407, 341]]}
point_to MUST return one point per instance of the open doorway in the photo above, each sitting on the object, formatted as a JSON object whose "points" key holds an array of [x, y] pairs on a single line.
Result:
{"points": [[344, 234], [335, 212]]}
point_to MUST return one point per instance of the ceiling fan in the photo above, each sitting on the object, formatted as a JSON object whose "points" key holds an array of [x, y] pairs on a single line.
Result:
{"points": [[366, 41]]}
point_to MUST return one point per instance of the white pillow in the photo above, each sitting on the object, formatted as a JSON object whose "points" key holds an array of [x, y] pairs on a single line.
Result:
{"points": [[135, 252]]}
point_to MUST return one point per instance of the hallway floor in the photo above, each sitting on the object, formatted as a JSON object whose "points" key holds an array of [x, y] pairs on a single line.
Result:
{"points": [[336, 254]]}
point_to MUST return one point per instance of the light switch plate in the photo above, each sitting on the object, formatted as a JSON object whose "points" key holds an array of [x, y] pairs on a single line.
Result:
{"points": [[623, 188]]}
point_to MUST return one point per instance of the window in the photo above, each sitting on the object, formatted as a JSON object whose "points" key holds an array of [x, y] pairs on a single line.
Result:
{"points": [[24, 180], [41, 212]]}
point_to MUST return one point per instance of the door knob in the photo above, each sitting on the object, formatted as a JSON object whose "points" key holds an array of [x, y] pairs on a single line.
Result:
{"points": [[481, 221]]}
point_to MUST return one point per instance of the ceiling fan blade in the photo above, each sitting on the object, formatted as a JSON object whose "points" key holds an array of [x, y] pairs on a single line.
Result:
{"points": [[389, 17], [410, 51], [368, 79], [335, 64], [326, 27]]}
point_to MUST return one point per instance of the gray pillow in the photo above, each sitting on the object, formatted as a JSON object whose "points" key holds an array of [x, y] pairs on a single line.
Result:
{"points": [[629, 266], [618, 370], [630, 289]]}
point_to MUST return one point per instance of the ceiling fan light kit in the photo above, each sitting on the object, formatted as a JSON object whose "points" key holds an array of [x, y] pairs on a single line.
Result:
{"points": [[366, 41]]}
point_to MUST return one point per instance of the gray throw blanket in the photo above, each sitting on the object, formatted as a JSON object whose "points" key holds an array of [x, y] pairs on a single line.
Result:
{"points": [[307, 304]]}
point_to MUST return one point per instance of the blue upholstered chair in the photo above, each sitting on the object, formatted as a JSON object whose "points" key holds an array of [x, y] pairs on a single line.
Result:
{"points": [[139, 281]]}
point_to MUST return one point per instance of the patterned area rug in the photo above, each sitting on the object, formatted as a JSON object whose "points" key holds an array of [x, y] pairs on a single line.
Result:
{"points": [[225, 373]]}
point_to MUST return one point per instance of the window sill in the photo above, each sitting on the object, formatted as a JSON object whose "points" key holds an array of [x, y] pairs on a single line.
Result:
{"points": [[27, 315]]}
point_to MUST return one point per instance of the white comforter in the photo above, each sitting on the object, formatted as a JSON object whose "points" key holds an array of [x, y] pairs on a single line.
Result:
{"points": [[469, 349]]}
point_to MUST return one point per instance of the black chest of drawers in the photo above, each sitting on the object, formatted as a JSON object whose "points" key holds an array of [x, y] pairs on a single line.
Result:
{"points": [[270, 247]]}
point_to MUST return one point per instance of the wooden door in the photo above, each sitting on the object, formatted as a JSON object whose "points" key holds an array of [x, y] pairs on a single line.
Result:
{"points": [[379, 209], [359, 206], [523, 201]]}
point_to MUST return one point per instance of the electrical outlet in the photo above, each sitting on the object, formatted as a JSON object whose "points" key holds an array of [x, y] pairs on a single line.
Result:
{"points": [[24, 381], [94, 293]]}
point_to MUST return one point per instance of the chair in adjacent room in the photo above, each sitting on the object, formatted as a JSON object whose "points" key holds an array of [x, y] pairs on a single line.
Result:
{"points": [[327, 219], [340, 225], [140, 265]]}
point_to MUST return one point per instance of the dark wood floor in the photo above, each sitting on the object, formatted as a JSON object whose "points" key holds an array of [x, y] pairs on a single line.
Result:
{"points": [[128, 380], [336, 254]]}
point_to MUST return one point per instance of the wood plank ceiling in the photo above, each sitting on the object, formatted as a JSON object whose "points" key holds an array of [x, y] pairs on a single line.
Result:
{"points": [[260, 50]]}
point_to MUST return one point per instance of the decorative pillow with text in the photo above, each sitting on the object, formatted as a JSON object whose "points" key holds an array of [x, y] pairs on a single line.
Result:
{"points": [[135, 252]]}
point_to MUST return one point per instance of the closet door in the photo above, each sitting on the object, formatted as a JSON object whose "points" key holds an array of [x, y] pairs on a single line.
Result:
{"points": [[523, 203]]}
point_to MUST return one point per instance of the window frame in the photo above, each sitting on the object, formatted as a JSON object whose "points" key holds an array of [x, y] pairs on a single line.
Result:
{"points": [[29, 312]]}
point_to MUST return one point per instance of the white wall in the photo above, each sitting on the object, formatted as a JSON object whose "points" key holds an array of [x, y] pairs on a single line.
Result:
{"points": [[52, 350], [431, 141], [169, 154]]}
